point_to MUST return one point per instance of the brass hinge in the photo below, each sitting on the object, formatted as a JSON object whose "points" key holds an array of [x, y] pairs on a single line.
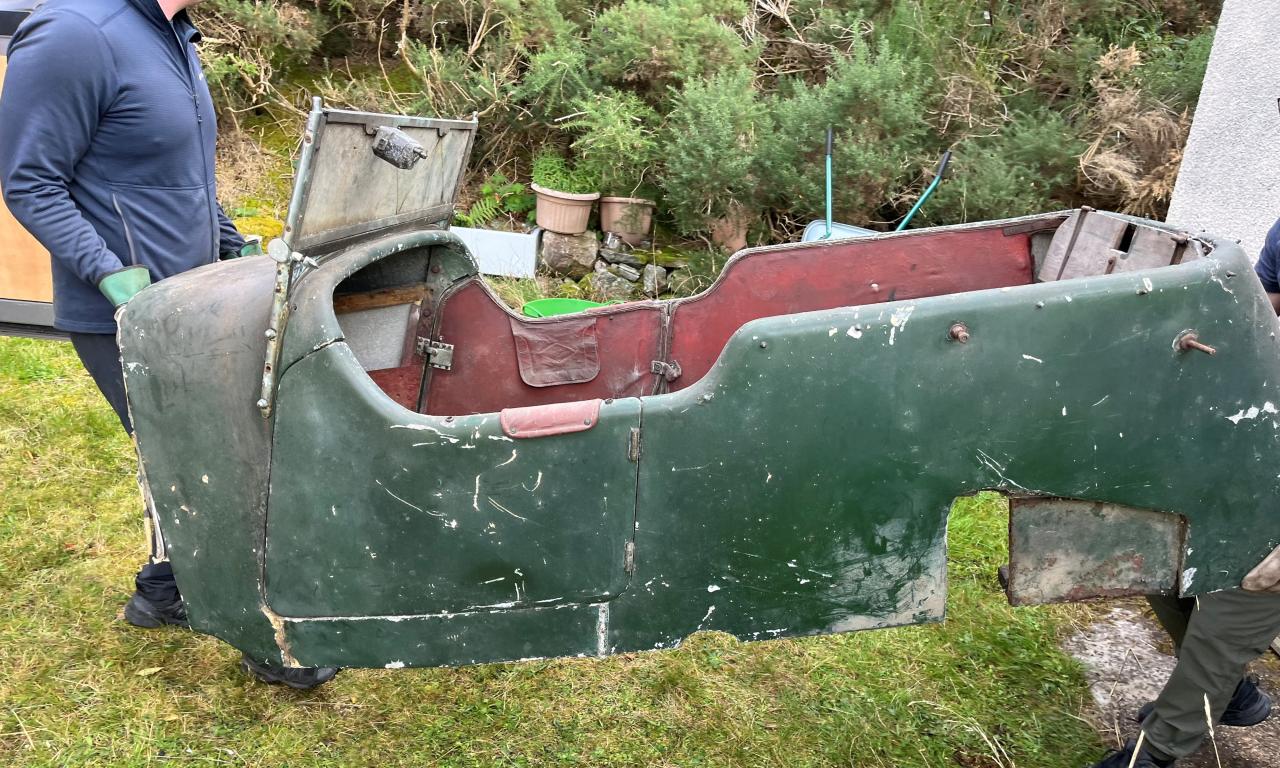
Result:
{"points": [[629, 558], [633, 445], [438, 354]]}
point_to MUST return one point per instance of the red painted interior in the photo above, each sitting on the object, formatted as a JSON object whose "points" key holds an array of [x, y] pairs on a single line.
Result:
{"points": [[843, 274], [776, 281], [401, 384], [486, 375]]}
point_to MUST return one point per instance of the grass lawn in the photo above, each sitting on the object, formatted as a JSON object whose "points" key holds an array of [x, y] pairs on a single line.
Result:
{"points": [[988, 688]]}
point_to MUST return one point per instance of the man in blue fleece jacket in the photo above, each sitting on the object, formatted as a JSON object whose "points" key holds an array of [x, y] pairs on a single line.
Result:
{"points": [[107, 138]]}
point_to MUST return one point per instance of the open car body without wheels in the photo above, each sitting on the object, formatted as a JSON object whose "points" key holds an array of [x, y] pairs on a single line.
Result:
{"points": [[358, 456]]}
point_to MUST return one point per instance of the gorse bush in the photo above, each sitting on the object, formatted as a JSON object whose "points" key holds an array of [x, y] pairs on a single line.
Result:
{"points": [[876, 103], [650, 45], [720, 107], [1028, 167], [712, 140], [615, 138]]}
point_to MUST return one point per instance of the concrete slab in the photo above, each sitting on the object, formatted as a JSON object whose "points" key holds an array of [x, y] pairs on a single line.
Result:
{"points": [[508, 254], [1229, 183]]}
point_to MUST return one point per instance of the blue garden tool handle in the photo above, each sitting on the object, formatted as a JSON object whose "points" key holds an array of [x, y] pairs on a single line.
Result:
{"points": [[829, 143], [937, 179]]}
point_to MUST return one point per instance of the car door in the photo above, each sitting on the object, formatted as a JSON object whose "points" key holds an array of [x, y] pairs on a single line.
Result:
{"points": [[377, 511]]}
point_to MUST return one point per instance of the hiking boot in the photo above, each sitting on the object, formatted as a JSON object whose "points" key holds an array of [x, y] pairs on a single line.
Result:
{"points": [[1248, 706], [1123, 758], [141, 612], [301, 678]]}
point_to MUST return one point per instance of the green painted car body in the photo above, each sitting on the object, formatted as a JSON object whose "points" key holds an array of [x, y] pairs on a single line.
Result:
{"points": [[801, 485]]}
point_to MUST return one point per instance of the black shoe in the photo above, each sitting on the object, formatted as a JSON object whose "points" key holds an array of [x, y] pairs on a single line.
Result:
{"points": [[301, 678], [141, 612], [1248, 706], [1123, 758]]}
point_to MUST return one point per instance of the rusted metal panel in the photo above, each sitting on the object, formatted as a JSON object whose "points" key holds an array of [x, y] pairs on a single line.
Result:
{"points": [[347, 189], [1064, 550]]}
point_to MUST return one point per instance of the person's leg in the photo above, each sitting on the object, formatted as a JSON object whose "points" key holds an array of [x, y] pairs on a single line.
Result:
{"points": [[1173, 613], [100, 356], [1226, 631]]}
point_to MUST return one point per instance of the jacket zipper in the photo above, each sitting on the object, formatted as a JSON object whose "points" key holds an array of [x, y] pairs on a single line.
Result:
{"points": [[128, 234]]}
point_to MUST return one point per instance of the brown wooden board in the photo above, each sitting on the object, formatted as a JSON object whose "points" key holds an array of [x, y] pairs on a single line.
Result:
{"points": [[24, 264]]}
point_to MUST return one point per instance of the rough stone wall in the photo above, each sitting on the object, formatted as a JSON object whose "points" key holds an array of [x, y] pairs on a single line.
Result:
{"points": [[1230, 179]]}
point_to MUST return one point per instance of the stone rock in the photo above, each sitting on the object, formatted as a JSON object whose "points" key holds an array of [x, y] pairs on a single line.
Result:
{"points": [[630, 273], [609, 286], [621, 257], [570, 256], [666, 260], [654, 280]]}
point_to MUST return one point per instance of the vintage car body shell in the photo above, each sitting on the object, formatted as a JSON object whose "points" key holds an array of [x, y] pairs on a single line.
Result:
{"points": [[800, 485]]}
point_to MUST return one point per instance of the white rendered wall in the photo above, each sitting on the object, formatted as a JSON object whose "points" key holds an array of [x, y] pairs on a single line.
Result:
{"points": [[1229, 183]]}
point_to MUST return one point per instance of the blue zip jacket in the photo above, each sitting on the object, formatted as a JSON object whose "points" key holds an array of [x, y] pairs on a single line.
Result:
{"points": [[1268, 266], [107, 138]]}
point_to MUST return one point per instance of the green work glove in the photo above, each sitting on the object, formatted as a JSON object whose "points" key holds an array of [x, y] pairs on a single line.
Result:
{"points": [[252, 247], [123, 284]]}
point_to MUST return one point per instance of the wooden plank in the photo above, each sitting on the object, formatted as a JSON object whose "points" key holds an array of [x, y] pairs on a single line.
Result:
{"points": [[1090, 252], [386, 297], [1150, 248], [24, 263]]}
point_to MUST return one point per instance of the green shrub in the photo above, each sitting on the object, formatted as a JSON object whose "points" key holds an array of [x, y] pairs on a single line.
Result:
{"points": [[711, 139], [497, 197], [877, 103], [652, 45], [741, 94], [1174, 69], [250, 44], [556, 77], [537, 24], [616, 140], [1029, 167]]}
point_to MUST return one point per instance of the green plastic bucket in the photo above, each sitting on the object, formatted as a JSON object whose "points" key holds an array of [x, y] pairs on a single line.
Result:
{"points": [[553, 307]]}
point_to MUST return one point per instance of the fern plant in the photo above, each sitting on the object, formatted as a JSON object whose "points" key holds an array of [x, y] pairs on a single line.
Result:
{"points": [[498, 196]]}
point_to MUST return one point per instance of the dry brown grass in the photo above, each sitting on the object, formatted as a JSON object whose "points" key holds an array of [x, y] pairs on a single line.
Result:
{"points": [[252, 175], [1135, 144]]}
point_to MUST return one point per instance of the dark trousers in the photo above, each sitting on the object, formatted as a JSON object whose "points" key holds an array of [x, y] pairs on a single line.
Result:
{"points": [[101, 358], [1216, 636]]}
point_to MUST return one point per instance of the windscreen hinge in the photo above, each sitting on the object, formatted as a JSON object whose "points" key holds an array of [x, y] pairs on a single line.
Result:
{"points": [[438, 354]]}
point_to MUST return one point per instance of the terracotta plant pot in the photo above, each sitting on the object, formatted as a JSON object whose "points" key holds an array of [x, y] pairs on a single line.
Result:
{"points": [[627, 217], [730, 231], [563, 212]]}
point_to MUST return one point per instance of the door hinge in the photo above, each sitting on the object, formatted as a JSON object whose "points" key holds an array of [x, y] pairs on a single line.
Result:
{"points": [[633, 445], [669, 371], [629, 558], [438, 354]]}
